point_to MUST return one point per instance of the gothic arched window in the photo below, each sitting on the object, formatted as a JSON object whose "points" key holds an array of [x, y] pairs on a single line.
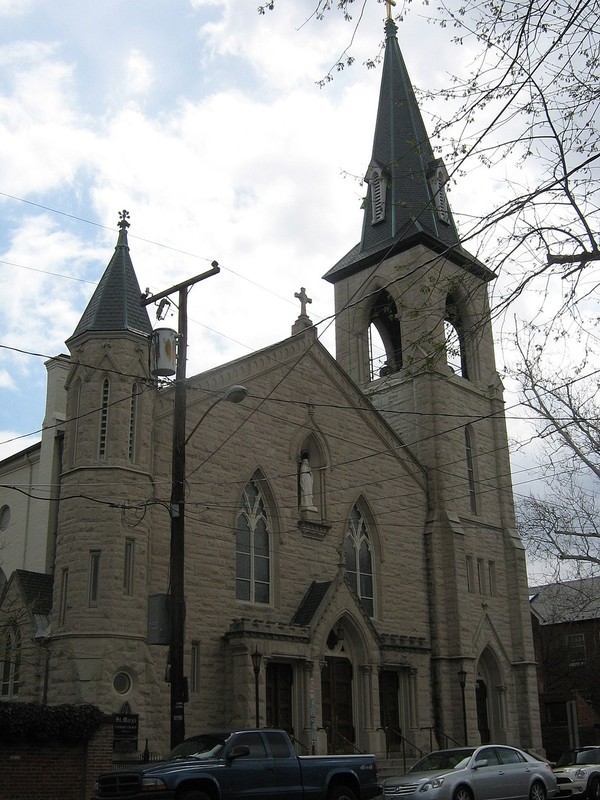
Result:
{"points": [[377, 179], [456, 357], [385, 347], [11, 662], [359, 559], [253, 558]]}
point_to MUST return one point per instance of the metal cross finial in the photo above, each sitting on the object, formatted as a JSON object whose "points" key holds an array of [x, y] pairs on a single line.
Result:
{"points": [[304, 299], [389, 4], [123, 217]]}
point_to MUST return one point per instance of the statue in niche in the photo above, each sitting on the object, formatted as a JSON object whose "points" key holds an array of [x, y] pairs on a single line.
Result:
{"points": [[306, 484]]}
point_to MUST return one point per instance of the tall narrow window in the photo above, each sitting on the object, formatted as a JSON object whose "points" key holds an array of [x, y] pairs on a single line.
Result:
{"points": [[480, 576], [64, 590], [77, 416], [359, 566], [104, 418], [470, 469], [133, 421], [492, 578], [253, 577], [94, 577], [469, 570], [11, 662], [195, 667], [128, 566]]}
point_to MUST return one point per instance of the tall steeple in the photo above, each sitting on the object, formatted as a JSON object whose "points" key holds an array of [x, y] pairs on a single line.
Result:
{"points": [[406, 201], [115, 304]]}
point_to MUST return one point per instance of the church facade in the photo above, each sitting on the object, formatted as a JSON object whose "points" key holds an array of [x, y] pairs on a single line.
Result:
{"points": [[349, 524]]}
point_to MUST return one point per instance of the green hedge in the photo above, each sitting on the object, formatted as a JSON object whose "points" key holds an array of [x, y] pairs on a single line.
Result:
{"points": [[38, 724]]}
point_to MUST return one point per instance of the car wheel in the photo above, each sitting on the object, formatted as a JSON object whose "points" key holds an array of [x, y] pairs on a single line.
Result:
{"points": [[593, 789], [537, 791], [342, 793], [463, 793]]}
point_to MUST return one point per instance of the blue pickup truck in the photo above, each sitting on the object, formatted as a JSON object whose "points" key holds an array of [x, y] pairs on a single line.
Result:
{"points": [[255, 764]]}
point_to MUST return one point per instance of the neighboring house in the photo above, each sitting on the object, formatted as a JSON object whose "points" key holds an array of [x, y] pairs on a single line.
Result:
{"points": [[566, 632], [29, 487], [351, 521], [26, 604]]}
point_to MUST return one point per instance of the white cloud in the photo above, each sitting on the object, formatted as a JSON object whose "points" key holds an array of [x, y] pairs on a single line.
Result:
{"points": [[139, 72], [15, 7]]}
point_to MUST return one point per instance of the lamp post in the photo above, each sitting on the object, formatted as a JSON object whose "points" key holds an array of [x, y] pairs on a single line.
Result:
{"points": [[256, 662], [462, 679], [177, 546]]}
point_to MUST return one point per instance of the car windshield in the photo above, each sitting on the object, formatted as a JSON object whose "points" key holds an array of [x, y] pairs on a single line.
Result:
{"points": [[571, 757], [202, 747], [443, 759]]}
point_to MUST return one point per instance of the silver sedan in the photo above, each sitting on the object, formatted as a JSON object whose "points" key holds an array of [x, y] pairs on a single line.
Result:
{"points": [[490, 772]]}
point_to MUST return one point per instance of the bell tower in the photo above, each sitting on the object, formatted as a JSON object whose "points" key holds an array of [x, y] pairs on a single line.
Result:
{"points": [[413, 329]]}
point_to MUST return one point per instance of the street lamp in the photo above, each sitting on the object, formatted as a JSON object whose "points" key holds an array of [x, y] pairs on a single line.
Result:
{"points": [[177, 548], [462, 679], [256, 662]]}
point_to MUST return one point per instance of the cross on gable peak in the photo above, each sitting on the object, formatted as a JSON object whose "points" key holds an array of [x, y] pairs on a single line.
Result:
{"points": [[304, 299]]}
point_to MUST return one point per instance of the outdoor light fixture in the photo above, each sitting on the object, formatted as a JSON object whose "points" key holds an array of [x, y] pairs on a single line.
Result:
{"points": [[462, 679], [256, 662]]}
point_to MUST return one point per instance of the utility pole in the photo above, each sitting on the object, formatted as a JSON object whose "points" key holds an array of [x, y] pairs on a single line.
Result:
{"points": [[177, 551]]}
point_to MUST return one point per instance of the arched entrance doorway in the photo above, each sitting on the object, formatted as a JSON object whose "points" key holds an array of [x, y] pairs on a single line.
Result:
{"points": [[489, 699], [337, 702]]}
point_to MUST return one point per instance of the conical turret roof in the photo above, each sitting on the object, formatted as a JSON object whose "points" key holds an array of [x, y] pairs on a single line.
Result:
{"points": [[115, 304]]}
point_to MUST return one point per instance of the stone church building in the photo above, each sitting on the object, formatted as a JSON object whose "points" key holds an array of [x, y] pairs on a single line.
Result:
{"points": [[350, 521]]}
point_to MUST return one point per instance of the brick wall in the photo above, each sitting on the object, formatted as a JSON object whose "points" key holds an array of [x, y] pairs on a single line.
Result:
{"points": [[54, 771]]}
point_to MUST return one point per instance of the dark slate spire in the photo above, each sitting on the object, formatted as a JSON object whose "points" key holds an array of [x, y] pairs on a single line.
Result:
{"points": [[115, 305], [406, 200]]}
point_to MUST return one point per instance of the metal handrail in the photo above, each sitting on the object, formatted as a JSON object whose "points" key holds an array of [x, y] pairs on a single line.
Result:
{"points": [[390, 729], [341, 735], [441, 735], [297, 741]]}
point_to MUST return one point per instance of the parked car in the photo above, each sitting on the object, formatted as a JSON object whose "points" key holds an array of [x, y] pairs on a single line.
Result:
{"points": [[233, 765], [578, 773], [490, 772]]}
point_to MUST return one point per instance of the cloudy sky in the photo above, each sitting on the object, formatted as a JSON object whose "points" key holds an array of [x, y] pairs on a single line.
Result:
{"points": [[206, 122]]}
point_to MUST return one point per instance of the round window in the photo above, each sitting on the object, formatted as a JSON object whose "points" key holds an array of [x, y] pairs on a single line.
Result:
{"points": [[122, 682], [4, 517]]}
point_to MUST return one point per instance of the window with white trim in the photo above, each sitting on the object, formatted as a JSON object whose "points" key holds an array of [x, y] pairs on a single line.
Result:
{"points": [[359, 559], [253, 558]]}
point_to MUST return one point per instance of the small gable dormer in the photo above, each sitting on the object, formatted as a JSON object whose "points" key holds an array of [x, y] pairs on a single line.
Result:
{"points": [[437, 175], [377, 180]]}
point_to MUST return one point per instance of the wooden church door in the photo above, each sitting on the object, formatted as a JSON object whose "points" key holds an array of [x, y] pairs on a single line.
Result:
{"points": [[336, 697], [389, 708], [279, 697]]}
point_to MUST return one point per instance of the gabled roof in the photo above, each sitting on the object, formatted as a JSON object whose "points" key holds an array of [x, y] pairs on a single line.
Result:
{"points": [[310, 603], [402, 150], [567, 601], [115, 305], [36, 589]]}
